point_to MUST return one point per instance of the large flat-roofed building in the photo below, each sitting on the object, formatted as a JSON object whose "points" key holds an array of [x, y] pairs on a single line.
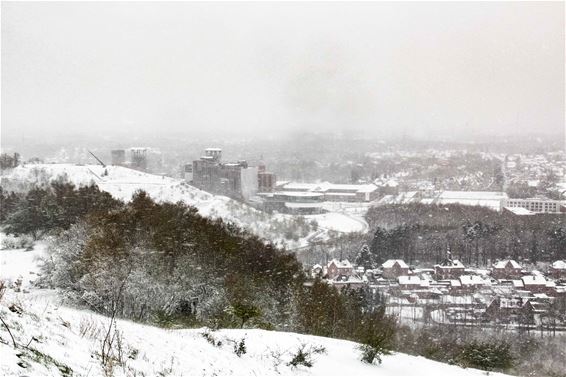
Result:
{"points": [[295, 202], [491, 199], [538, 205], [334, 192]]}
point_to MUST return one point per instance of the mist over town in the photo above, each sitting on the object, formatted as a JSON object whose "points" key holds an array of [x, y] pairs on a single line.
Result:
{"points": [[306, 188]]}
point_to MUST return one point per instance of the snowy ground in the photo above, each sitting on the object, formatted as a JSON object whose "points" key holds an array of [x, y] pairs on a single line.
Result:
{"points": [[55, 340], [340, 222], [122, 182]]}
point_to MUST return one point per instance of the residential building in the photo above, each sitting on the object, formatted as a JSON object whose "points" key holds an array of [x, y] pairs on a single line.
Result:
{"points": [[558, 269], [339, 267], [507, 269], [449, 269], [471, 283], [510, 310], [350, 281], [393, 268], [412, 282]]}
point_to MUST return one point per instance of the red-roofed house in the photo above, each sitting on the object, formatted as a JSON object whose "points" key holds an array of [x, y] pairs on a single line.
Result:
{"points": [[509, 310], [506, 269], [393, 268], [558, 269], [451, 269], [339, 267]]}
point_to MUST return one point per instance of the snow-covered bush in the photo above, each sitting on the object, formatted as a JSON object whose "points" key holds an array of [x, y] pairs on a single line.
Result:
{"points": [[376, 333], [240, 347], [487, 355], [304, 355], [16, 242], [207, 335], [164, 263]]}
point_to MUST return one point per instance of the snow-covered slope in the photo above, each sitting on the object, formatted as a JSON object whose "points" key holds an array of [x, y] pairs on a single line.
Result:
{"points": [[122, 182], [61, 341]]}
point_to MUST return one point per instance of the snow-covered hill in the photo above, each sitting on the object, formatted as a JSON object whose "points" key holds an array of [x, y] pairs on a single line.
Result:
{"points": [[122, 182], [55, 340]]}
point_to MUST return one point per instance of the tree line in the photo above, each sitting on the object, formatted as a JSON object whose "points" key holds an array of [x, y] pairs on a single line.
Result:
{"points": [[478, 236]]}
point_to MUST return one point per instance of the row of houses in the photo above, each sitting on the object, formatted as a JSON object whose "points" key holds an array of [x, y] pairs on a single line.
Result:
{"points": [[506, 293], [506, 272]]}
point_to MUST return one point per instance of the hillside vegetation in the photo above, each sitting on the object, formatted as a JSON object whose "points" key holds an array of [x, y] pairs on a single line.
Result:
{"points": [[476, 235]]}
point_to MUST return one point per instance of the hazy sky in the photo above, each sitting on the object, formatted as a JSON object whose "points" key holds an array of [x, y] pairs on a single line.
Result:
{"points": [[383, 68]]}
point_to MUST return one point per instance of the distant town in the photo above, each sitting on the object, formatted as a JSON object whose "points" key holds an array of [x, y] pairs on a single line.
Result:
{"points": [[258, 186], [504, 295], [501, 293]]}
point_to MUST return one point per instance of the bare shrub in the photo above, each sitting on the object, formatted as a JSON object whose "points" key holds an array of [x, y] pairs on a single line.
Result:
{"points": [[304, 355]]}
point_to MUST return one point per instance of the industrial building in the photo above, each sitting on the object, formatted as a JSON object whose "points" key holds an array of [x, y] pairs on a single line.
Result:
{"points": [[334, 192], [298, 203], [188, 172], [537, 205], [494, 200], [308, 198], [234, 179], [118, 157], [138, 158], [266, 181], [489, 199]]}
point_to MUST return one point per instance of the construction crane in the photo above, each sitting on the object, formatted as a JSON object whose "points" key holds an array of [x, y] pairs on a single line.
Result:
{"points": [[100, 162], [97, 159]]}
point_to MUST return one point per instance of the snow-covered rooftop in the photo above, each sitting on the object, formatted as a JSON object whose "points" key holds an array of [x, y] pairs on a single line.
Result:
{"points": [[534, 280], [327, 186], [412, 280], [511, 303], [391, 262], [519, 211], [302, 205], [299, 194], [472, 280], [452, 264], [503, 264], [340, 263], [455, 283], [475, 195]]}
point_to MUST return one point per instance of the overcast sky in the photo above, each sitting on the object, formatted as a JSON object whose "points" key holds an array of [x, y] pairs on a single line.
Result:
{"points": [[382, 68]]}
